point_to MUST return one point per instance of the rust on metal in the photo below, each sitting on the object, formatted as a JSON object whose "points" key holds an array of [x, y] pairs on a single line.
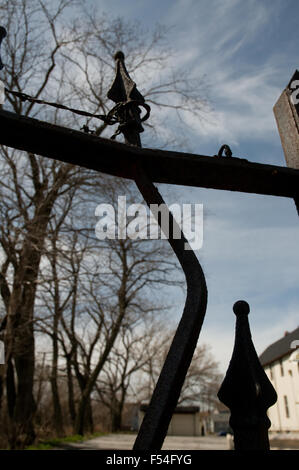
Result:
{"points": [[286, 112], [288, 127]]}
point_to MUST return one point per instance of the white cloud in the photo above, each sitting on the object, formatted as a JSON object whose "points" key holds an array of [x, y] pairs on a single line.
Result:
{"points": [[242, 95], [249, 253], [209, 38]]}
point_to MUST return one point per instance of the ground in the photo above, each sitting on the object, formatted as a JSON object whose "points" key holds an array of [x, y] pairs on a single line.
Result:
{"points": [[126, 441]]}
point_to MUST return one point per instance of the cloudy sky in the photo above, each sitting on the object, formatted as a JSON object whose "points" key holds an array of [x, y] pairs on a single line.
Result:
{"points": [[248, 51]]}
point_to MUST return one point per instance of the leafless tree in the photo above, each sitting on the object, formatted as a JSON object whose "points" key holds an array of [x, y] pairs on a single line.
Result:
{"points": [[29, 192], [129, 356], [115, 289], [50, 54], [201, 382]]}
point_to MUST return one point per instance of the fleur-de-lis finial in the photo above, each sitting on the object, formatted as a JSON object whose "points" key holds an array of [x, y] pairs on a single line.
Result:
{"points": [[2, 36]]}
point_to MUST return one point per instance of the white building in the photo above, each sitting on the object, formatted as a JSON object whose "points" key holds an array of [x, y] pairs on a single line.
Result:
{"points": [[281, 364]]}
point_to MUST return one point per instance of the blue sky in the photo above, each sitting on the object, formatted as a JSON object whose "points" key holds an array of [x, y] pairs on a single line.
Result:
{"points": [[248, 51]]}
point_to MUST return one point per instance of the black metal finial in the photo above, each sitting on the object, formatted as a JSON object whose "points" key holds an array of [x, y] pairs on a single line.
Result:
{"points": [[246, 389], [241, 308], [128, 99], [3, 33], [119, 55], [123, 88]]}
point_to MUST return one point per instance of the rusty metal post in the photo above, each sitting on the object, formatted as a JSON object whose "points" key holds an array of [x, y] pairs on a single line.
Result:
{"points": [[246, 389], [286, 112]]}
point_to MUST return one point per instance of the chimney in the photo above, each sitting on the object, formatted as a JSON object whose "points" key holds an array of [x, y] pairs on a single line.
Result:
{"points": [[286, 333]]}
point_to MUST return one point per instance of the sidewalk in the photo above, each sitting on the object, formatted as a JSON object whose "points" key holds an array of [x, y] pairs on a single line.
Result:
{"points": [[126, 442]]}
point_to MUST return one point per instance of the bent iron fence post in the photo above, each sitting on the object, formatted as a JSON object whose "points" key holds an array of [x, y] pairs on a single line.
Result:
{"points": [[166, 394], [246, 389]]}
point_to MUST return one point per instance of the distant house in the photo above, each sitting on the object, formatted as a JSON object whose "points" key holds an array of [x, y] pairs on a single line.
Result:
{"points": [[281, 363], [130, 417], [185, 421], [206, 422], [219, 419]]}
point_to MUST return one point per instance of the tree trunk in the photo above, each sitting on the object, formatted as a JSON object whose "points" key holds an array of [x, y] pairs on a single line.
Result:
{"points": [[19, 329], [116, 419], [91, 380], [80, 417], [57, 413], [89, 426]]}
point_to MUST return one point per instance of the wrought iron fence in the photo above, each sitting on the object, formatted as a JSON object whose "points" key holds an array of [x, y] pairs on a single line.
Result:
{"points": [[246, 390]]}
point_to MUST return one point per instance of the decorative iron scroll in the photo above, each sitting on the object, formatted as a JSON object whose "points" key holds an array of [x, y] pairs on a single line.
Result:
{"points": [[246, 389]]}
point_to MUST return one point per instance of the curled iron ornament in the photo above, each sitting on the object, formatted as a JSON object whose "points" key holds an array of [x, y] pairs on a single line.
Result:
{"points": [[227, 151], [121, 113], [118, 112]]}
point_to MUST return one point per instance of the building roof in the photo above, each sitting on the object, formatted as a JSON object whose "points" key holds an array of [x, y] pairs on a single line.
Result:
{"points": [[221, 407], [280, 348]]}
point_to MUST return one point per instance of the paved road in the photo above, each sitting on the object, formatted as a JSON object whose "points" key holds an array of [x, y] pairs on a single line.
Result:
{"points": [[126, 441]]}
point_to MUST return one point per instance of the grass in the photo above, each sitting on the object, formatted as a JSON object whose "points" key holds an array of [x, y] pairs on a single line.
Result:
{"points": [[48, 444]]}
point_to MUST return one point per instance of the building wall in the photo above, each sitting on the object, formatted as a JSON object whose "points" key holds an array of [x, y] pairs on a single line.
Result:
{"points": [[284, 375], [181, 424], [184, 425]]}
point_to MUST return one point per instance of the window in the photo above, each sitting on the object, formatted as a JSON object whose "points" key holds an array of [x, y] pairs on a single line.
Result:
{"points": [[286, 406], [281, 368]]}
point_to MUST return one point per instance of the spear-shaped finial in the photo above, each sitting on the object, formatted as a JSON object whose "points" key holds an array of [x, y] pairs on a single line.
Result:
{"points": [[123, 88], [128, 99], [3, 33], [246, 389]]}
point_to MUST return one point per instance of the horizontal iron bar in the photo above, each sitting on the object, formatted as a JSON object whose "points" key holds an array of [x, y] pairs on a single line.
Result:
{"points": [[161, 166]]}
